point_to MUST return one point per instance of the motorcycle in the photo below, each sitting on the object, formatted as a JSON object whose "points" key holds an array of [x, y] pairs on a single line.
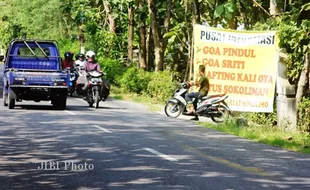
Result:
{"points": [[212, 106], [93, 91], [73, 78]]}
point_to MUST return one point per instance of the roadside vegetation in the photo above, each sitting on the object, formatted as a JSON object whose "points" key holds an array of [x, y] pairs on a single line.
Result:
{"points": [[145, 46], [271, 135]]}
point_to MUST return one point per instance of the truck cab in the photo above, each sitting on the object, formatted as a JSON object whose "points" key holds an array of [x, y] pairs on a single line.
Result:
{"points": [[32, 71]]}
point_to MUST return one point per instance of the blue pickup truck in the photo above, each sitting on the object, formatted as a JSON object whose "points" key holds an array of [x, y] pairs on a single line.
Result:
{"points": [[32, 71]]}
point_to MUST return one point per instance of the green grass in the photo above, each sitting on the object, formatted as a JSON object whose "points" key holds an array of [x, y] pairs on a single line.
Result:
{"points": [[270, 135]]}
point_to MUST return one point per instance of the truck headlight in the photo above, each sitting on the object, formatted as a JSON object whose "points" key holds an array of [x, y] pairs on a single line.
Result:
{"points": [[58, 80], [20, 79]]}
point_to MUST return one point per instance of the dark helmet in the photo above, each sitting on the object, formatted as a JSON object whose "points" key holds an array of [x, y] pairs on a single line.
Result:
{"points": [[68, 55], [76, 56], [80, 55], [185, 85]]}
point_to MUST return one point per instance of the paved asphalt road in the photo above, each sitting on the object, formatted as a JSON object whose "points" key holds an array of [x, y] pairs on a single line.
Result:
{"points": [[122, 145]]}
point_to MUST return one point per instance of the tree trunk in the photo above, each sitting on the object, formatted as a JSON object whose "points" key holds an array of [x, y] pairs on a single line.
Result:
{"points": [[241, 9], [232, 23], [190, 47], [130, 35], [191, 43], [142, 37], [188, 65], [159, 59], [167, 23], [303, 85], [111, 20], [214, 21], [150, 50], [197, 11], [276, 7], [81, 38]]}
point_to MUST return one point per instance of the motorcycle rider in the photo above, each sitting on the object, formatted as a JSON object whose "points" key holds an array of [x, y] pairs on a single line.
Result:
{"points": [[92, 65], [68, 60], [80, 60], [68, 63], [201, 81]]}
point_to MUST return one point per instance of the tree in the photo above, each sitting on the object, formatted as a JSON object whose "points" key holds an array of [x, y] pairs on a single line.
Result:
{"points": [[142, 35], [32, 18], [111, 20], [130, 33], [158, 46]]}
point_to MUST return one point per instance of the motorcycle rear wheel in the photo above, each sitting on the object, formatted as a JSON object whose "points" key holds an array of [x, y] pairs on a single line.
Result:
{"points": [[224, 113], [173, 109], [71, 93], [90, 101]]}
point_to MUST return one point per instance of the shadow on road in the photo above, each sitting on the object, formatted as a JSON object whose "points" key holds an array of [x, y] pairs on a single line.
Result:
{"points": [[37, 106], [121, 163], [111, 108]]}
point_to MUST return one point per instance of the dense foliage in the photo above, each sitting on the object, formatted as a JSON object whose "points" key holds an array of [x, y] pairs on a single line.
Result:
{"points": [[304, 115]]}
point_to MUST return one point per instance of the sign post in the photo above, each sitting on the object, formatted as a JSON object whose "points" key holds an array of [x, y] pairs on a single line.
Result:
{"points": [[241, 64]]}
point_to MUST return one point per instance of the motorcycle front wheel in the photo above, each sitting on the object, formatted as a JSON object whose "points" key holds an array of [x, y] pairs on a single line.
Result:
{"points": [[173, 109], [222, 115], [71, 92], [96, 98], [90, 100]]}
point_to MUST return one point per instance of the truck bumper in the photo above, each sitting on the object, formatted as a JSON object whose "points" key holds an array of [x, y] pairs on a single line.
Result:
{"points": [[36, 86], [37, 93]]}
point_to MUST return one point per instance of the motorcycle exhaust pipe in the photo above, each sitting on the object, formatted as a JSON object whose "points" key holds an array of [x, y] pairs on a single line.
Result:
{"points": [[209, 109], [201, 110]]}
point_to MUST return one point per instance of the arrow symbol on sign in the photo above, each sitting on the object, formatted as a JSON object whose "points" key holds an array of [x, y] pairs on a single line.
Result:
{"points": [[198, 49]]}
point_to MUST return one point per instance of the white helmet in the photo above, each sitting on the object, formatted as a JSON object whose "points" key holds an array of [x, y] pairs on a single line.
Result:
{"points": [[90, 54]]}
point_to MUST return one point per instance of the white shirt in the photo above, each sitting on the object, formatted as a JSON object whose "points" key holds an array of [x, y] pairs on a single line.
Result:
{"points": [[79, 63]]}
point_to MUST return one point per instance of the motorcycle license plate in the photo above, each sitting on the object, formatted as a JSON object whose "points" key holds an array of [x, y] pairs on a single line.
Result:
{"points": [[96, 80]]}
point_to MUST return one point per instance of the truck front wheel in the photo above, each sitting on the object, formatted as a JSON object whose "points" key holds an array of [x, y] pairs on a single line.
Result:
{"points": [[5, 99], [11, 101]]}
